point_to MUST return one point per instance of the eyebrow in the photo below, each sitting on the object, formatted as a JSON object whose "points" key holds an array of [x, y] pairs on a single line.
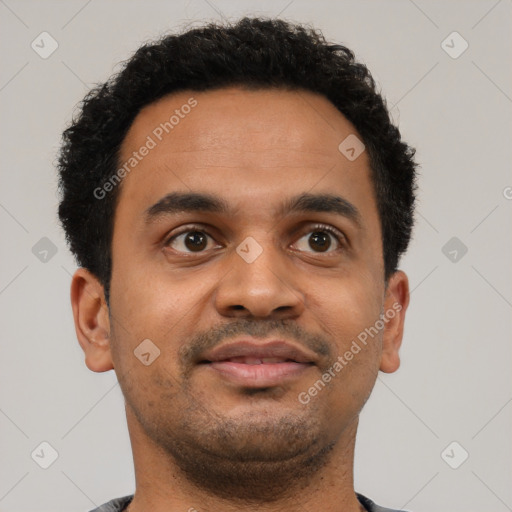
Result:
{"points": [[193, 202], [176, 202], [326, 203]]}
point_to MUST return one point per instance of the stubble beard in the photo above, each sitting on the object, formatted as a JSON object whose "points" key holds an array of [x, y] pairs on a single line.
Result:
{"points": [[251, 459]]}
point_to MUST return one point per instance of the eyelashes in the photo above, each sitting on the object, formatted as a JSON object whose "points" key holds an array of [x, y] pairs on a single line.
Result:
{"points": [[197, 239]]}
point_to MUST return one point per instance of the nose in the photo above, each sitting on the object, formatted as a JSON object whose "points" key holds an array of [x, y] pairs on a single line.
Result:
{"points": [[260, 287]]}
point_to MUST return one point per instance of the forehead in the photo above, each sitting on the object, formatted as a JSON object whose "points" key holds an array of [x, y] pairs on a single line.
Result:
{"points": [[235, 129], [272, 118], [249, 147]]}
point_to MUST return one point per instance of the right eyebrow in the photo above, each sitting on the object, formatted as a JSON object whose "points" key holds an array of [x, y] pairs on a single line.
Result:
{"points": [[175, 202]]}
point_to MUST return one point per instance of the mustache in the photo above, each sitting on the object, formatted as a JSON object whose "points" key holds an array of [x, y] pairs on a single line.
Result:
{"points": [[216, 335]]}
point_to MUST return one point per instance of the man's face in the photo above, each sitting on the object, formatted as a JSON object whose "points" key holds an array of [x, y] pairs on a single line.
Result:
{"points": [[191, 280]]}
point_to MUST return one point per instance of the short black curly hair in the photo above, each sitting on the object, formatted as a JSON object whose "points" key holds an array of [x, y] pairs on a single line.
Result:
{"points": [[256, 53]]}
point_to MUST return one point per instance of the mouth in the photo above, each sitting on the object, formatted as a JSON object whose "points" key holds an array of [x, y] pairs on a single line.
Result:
{"points": [[258, 365]]}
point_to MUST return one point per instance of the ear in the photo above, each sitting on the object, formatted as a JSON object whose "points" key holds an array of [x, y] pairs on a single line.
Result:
{"points": [[395, 306], [92, 324]]}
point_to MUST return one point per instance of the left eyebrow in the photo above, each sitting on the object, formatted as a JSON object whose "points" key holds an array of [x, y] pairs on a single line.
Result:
{"points": [[327, 203]]}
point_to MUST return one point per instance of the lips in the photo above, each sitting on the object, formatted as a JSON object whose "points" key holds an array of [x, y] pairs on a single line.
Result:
{"points": [[276, 349], [259, 360], [257, 365]]}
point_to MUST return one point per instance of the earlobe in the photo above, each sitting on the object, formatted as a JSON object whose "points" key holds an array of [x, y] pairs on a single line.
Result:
{"points": [[395, 306], [92, 325]]}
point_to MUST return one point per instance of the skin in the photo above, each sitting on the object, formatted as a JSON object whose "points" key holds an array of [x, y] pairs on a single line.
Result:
{"points": [[199, 441]]}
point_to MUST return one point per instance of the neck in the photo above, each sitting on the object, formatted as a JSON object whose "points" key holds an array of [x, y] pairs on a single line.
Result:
{"points": [[163, 486]]}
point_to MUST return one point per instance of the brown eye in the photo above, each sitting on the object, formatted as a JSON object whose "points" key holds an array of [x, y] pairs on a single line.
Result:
{"points": [[319, 241], [189, 241], [195, 241]]}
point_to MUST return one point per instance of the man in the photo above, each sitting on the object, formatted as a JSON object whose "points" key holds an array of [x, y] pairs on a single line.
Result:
{"points": [[238, 201]]}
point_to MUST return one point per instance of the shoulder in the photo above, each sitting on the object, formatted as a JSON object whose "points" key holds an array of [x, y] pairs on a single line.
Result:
{"points": [[115, 505], [118, 505], [370, 506]]}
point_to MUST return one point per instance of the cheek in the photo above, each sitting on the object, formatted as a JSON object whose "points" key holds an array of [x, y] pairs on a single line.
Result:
{"points": [[146, 318], [346, 310], [145, 296], [344, 306], [160, 306]]}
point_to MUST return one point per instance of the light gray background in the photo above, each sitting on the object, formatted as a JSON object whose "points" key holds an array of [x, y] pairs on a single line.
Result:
{"points": [[454, 383]]}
